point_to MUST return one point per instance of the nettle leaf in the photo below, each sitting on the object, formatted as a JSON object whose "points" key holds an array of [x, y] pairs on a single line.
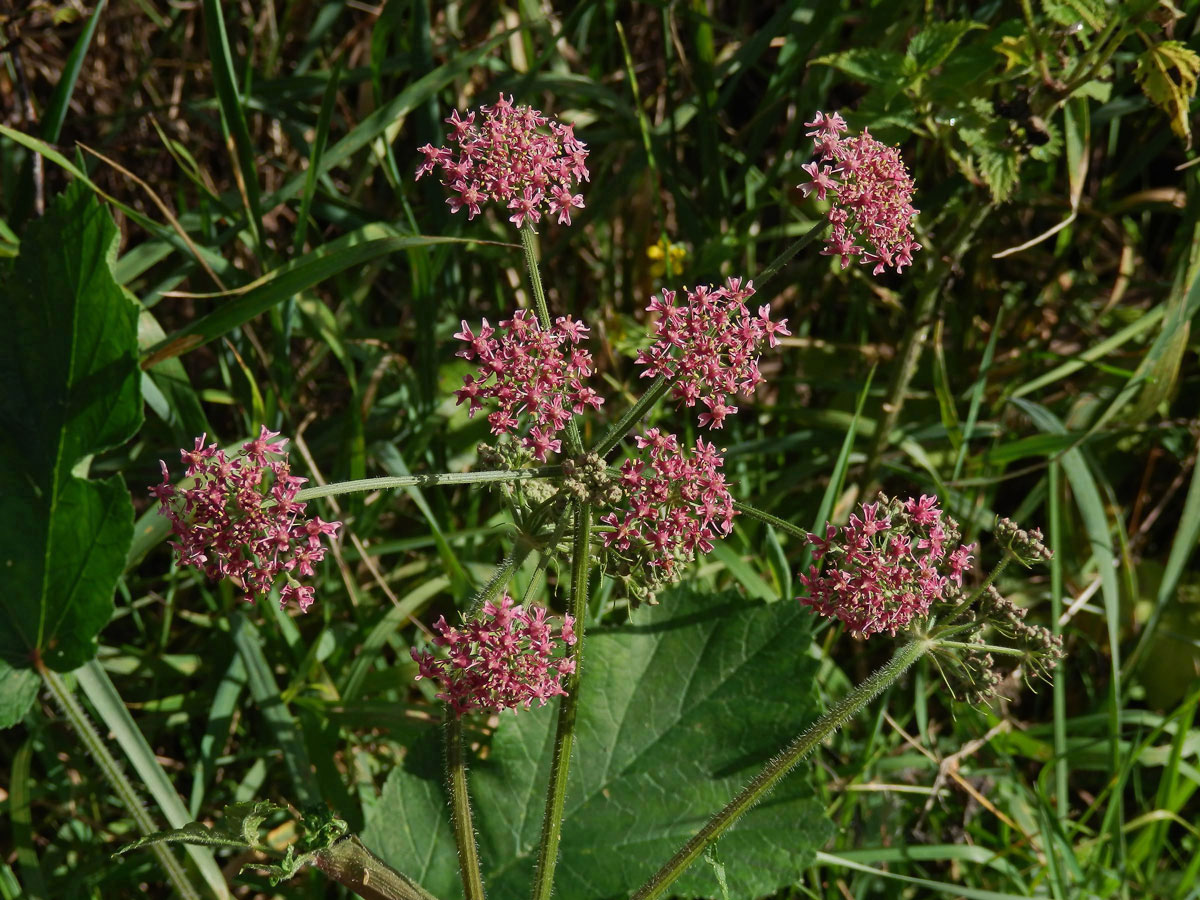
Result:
{"points": [[870, 66], [1093, 13], [932, 46], [69, 388], [678, 710], [1173, 95], [994, 160]]}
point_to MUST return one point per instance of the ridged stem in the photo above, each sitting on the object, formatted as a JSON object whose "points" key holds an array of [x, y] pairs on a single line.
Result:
{"points": [[654, 393], [529, 245], [431, 480], [352, 865], [844, 710], [564, 736], [774, 267], [460, 809], [99, 754]]}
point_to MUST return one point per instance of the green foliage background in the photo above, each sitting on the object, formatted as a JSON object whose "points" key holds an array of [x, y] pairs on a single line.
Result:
{"points": [[1037, 361]]}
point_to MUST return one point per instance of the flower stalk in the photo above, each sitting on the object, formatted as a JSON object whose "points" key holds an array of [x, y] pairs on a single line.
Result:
{"points": [[439, 479], [460, 809], [564, 736], [841, 713]]}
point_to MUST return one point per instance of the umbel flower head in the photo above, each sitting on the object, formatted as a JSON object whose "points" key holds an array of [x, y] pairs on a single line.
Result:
{"points": [[872, 208], [524, 161], [241, 519], [709, 346], [675, 504], [503, 659], [890, 564], [525, 369]]}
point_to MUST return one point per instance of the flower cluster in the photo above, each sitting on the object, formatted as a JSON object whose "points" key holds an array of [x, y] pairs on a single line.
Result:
{"points": [[502, 660], [241, 518], [709, 347], [873, 196], [535, 371], [516, 157], [887, 566], [675, 504]]}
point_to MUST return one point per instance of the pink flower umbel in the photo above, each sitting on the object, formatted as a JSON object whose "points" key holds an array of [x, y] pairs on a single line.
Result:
{"points": [[675, 505], [504, 659], [872, 209], [241, 519], [888, 566], [527, 370], [709, 346], [526, 162]]}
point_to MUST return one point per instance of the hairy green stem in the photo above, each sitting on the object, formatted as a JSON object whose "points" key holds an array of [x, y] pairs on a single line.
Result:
{"points": [[763, 516], [98, 751], [774, 267], [564, 735], [915, 339], [654, 393], [352, 865], [844, 710], [501, 575], [986, 648], [432, 480], [460, 809], [529, 246]]}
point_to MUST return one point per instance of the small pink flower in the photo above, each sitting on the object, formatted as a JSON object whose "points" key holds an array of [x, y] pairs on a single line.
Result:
{"points": [[872, 212], [528, 371], [709, 346], [516, 157], [241, 520], [884, 568], [503, 659]]}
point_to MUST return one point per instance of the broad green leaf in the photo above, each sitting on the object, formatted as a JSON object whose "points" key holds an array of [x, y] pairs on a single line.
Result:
{"points": [[70, 389], [931, 47], [678, 709], [1092, 13], [868, 65], [996, 162], [1171, 93]]}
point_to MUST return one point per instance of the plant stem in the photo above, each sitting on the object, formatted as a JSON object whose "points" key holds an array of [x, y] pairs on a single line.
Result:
{"points": [[658, 387], [986, 648], [564, 736], [914, 341], [432, 480], [774, 267], [776, 769], [763, 516], [529, 245], [98, 751], [460, 809], [351, 864], [500, 576]]}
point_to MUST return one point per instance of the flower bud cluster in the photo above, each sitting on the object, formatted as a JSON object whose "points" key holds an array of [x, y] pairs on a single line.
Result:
{"points": [[887, 566], [515, 156], [589, 480], [1027, 547], [241, 519], [526, 369], [872, 193], [504, 659], [709, 346], [675, 505]]}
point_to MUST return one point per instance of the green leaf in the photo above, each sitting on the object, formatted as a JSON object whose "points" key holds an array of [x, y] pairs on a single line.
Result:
{"points": [[1173, 95], [1093, 13], [931, 47], [987, 137], [678, 709], [868, 65], [70, 390], [237, 829]]}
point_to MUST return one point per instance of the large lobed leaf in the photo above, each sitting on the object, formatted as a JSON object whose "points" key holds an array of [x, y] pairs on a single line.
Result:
{"points": [[678, 709], [68, 390]]}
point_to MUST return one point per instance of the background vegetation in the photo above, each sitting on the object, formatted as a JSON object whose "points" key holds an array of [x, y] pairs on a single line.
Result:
{"points": [[1036, 362]]}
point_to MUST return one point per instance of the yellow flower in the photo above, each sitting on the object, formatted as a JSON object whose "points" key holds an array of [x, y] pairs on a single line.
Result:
{"points": [[663, 252]]}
